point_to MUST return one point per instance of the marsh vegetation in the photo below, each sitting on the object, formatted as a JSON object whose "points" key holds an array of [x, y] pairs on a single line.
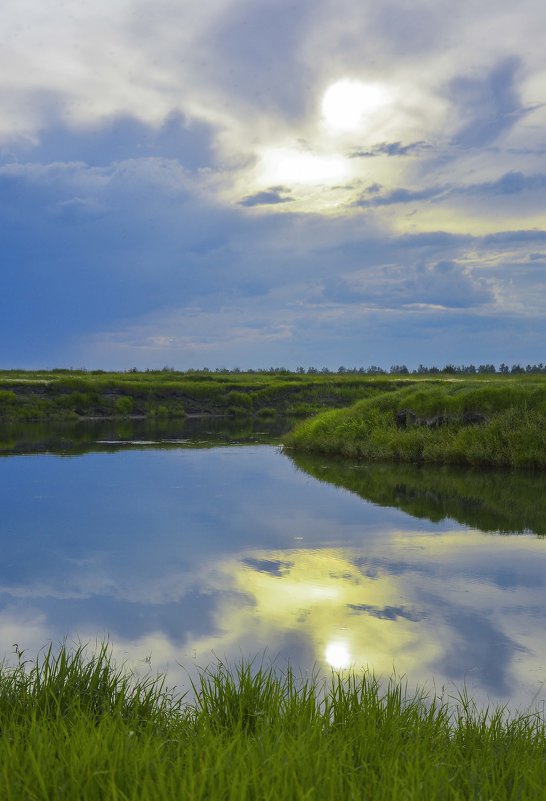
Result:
{"points": [[70, 395], [500, 422]]}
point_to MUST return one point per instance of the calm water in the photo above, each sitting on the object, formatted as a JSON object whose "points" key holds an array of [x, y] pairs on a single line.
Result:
{"points": [[202, 549]]}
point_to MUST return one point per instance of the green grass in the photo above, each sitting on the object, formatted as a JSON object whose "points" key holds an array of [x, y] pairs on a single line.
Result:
{"points": [[73, 394], [76, 727], [514, 435], [65, 395]]}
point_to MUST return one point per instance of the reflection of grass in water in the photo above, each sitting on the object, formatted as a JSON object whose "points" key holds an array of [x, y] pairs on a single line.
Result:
{"points": [[84, 436], [502, 500], [514, 435], [73, 727]]}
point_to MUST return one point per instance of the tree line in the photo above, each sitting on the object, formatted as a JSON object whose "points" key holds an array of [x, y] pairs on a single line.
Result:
{"points": [[395, 369]]}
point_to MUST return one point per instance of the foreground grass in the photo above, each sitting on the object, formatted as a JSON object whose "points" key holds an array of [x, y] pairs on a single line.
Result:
{"points": [[513, 436], [73, 727]]}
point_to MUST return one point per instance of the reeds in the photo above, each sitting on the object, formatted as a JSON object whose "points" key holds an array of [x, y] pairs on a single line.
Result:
{"points": [[76, 727]]}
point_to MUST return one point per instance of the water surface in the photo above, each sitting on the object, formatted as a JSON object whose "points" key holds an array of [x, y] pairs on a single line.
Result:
{"points": [[181, 547]]}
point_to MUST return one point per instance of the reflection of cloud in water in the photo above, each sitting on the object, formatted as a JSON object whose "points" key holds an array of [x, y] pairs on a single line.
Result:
{"points": [[445, 615], [316, 594], [430, 605], [477, 650]]}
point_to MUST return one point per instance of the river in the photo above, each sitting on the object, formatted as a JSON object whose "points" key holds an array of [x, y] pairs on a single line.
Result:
{"points": [[187, 543]]}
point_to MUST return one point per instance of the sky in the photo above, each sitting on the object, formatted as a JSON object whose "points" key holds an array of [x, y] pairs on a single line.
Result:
{"points": [[257, 183]]}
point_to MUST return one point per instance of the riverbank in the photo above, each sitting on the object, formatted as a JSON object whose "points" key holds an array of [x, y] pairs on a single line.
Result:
{"points": [[73, 726], [77, 395], [73, 395], [501, 423]]}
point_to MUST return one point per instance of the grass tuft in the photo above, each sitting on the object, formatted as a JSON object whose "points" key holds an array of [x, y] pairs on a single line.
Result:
{"points": [[74, 726]]}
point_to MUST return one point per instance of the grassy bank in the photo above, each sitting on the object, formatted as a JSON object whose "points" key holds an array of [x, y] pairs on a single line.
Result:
{"points": [[512, 431], [73, 727], [72, 394]]}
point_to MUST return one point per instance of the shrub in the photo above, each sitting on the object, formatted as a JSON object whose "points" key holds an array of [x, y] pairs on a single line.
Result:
{"points": [[124, 405], [240, 400]]}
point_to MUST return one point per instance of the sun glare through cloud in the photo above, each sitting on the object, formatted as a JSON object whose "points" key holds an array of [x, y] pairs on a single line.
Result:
{"points": [[347, 103], [291, 166]]}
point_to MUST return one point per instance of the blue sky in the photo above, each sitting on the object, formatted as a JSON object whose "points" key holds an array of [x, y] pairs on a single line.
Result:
{"points": [[255, 183]]}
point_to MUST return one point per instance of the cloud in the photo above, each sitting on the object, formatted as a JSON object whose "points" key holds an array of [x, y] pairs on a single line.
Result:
{"points": [[136, 137], [118, 139], [511, 183], [443, 284], [391, 149], [490, 105], [401, 195], [138, 263], [269, 197]]}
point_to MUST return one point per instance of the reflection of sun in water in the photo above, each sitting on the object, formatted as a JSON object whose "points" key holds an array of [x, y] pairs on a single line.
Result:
{"points": [[347, 102], [337, 655]]}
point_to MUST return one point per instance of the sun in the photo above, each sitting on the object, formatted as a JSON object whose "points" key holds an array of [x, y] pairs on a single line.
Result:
{"points": [[347, 103], [337, 655]]}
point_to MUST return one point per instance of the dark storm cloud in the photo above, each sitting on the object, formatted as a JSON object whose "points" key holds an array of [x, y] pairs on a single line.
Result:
{"points": [[85, 246]]}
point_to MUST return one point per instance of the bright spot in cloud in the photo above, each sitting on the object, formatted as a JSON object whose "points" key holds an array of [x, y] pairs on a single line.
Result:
{"points": [[287, 166], [337, 655], [346, 103]]}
